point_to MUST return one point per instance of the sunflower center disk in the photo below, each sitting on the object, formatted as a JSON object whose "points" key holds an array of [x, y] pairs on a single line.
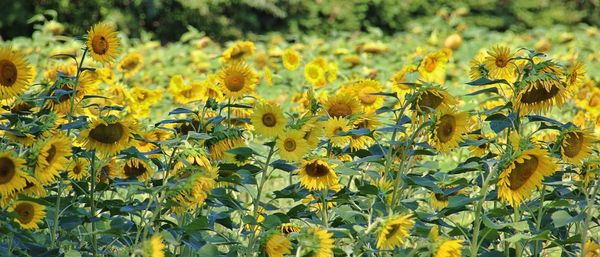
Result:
{"points": [[446, 129], [366, 97], [539, 94], [134, 171], [25, 212], [269, 120], [99, 44], [393, 230], [501, 62], [573, 144], [339, 110], [289, 145], [8, 73], [7, 170], [51, 154], [430, 64], [235, 81], [427, 100], [522, 172], [130, 65], [317, 170], [107, 134]]}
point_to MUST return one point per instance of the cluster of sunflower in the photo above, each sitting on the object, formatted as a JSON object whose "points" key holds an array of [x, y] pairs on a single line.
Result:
{"points": [[350, 165]]}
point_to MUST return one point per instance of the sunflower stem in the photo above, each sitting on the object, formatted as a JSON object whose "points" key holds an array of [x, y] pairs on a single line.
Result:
{"points": [[478, 211], [263, 179], [93, 204], [591, 199], [55, 241], [324, 207], [518, 246], [229, 113], [538, 225]]}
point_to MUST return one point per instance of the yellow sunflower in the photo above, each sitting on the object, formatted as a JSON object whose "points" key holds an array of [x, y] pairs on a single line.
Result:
{"points": [[394, 231], [29, 214], [499, 63], [103, 43], [292, 145], [591, 249], [364, 90], [574, 75], [107, 137], [79, 169], [341, 106], [314, 74], [449, 248], [324, 243], [400, 77], [313, 131], [52, 159], [131, 64], [11, 175], [433, 67], [481, 149], [268, 75], [291, 59], [268, 120], [155, 246], [432, 98], [15, 73], [316, 174], [576, 145], [289, 228], [524, 174], [62, 104], [277, 245], [334, 126], [237, 79], [139, 169], [539, 94], [239, 51], [217, 149], [449, 129]]}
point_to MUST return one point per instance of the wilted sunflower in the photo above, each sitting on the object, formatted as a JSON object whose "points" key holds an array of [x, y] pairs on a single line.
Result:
{"points": [[277, 245], [433, 67], [139, 169], [341, 106], [15, 73], [131, 64], [291, 59], [29, 214], [394, 231], [449, 129], [107, 137], [11, 176], [539, 93], [449, 248], [524, 174], [239, 51], [78, 169], [155, 246], [324, 243], [576, 145], [237, 79], [268, 120], [333, 127], [52, 159], [432, 98], [499, 63], [317, 174], [292, 145], [103, 43]]}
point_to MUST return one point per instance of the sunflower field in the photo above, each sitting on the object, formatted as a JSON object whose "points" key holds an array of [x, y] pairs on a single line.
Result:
{"points": [[443, 140]]}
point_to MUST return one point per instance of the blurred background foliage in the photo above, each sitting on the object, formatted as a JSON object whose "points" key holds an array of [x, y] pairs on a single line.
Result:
{"points": [[224, 20]]}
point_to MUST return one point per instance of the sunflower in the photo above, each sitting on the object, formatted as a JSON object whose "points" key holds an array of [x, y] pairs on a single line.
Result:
{"points": [[591, 249], [239, 51], [277, 245], [268, 120], [316, 174], [184, 93], [324, 243], [400, 77], [433, 67], [576, 145], [107, 137], [314, 74], [479, 150], [15, 73], [237, 79], [589, 171], [289, 228], [79, 169], [333, 127], [291, 59], [394, 231], [107, 171], [499, 63], [131, 64], [60, 102], [268, 75], [155, 246], [217, 149], [292, 145], [449, 248], [139, 169], [574, 75], [540, 93], [524, 174], [29, 214], [52, 159], [195, 189], [449, 129], [312, 132], [11, 176], [432, 98], [103, 43], [364, 90], [341, 106]]}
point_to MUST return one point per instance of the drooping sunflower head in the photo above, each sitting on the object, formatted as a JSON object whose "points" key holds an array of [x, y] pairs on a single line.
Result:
{"points": [[268, 120], [523, 174], [193, 190], [103, 43], [52, 158], [320, 243], [11, 176], [108, 137], [291, 59], [237, 79], [292, 145], [449, 129], [138, 169], [432, 98], [449, 248], [276, 244], [15, 73], [341, 106], [541, 91], [394, 231], [29, 214], [288, 228], [576, 145], [154, 247], [500, 63], [316, 174]]}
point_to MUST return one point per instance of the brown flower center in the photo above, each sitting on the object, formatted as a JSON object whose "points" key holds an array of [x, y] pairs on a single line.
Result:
{"points": [[133, 171], [501, 61], [522, 172], [269, 120], [7, 170], [539, 94], [427, 100], [573, 143], [130, 64], [99, 45], [340, 110], [8, 73], [594, 100], [25, 212], [51, 153], [234, 81], [316, 169], [446, 128], [394, 228], [430, 64], [108, 134], [289, 144]]}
